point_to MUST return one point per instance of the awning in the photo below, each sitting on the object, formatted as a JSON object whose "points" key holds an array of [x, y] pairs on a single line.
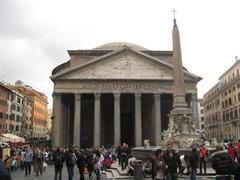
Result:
{"points": [[13, 138]]}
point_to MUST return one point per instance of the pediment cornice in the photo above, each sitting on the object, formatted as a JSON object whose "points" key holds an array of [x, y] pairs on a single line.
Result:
{"points": [[112, 54]]}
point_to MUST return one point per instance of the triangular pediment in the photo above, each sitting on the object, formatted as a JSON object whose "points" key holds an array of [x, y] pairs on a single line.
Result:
{"points": [[123, 64]]}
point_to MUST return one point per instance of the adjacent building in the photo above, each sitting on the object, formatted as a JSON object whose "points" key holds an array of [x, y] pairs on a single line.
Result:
{"points": [[200, 114], [222, 106], [36, 111], [5, 94], [23, 111]]}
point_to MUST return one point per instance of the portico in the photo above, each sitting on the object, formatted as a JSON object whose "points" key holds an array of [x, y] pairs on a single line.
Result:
{"points": [[113, 94]]}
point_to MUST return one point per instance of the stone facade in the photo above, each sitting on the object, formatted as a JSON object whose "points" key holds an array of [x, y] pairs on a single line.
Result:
{"points": [[116, 93], [222, 106]]}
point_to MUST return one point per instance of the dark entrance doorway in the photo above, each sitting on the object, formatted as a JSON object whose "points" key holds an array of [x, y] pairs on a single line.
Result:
{"points": [[107, 119], [127, 106], [166, 107], [148, 115], [87, 120]]}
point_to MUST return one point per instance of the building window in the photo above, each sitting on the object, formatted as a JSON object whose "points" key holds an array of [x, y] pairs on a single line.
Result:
{"points": [[19, 100], [235, 113], [12, 97], [18, 118], [12, 117], [230, 101], [231, 115]]}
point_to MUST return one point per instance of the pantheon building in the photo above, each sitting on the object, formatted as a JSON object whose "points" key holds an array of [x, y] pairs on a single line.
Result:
{"points": [[115, 93]]}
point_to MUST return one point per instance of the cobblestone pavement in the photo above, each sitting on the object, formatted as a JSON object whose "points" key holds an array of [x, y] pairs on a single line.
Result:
{"points": [[49, 175]]}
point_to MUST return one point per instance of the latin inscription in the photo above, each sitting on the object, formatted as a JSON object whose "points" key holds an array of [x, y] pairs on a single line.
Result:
{"points": [[118, 86]]}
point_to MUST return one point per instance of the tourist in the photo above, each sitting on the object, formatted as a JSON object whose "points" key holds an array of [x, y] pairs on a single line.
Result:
{"points": [[27, 159], [124, 156], [58, 159], [193, 162], [107, 162], [97, 163], [118, 151], [38, 161], [81, 162], [232, 151], [22, 158], [130, 166], [222, 163], [173, 162], [203, 158], [4, 173], [70, 162], [8, 161], [159, 166], [89, 162], [238, 148]]}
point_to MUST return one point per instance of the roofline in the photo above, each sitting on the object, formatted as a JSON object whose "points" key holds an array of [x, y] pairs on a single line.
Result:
{"points": [[102, 52], [168, 65], [5, 87], [238, 61]]}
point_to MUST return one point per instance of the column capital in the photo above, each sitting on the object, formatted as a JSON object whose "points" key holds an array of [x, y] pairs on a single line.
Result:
{"points": [[194, 96], [137, 95], [117, 96], [157, 95], [97, 96], [77, 97], [54, 94]]}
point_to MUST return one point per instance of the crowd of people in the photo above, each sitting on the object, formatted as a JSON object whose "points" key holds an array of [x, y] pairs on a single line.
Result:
{"points": [[166, 164], [225, 160], [34, 161]]}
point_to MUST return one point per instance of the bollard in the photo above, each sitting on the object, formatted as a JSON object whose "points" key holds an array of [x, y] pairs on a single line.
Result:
{"points": [[138, 171]]}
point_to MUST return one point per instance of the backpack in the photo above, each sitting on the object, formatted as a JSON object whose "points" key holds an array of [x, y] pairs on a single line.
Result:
{"points": [[72, 160], [58, 161]]}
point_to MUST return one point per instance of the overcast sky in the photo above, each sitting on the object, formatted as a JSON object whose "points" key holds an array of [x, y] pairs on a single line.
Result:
{"points": [[36, 34]]}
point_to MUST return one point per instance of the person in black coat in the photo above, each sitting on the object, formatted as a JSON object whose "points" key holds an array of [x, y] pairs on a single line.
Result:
{"points": [[81, 162], [58, 159], [4, 174], [222, 163], [193, 162], [172, 159]]}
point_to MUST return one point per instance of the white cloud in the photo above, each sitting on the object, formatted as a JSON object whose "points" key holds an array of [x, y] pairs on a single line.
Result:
{"points": [[35, 35]]}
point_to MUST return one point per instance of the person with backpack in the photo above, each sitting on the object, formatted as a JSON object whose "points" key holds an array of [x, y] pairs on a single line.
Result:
{"points": [[70, 162], [58, 159], [81, 162]]}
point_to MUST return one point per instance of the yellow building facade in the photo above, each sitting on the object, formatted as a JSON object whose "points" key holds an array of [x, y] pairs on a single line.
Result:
{"points": [[39, 111], [222, 106]]}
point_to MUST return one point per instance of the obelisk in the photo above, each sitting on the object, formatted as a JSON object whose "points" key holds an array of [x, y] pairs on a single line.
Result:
{"points": [[181, 130]]}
